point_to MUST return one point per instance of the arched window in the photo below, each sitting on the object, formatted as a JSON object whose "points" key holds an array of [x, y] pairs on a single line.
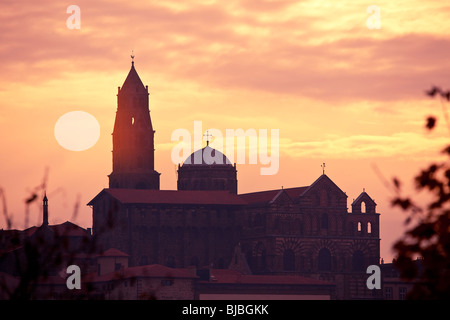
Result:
{"points": [[324, 260], [250, 260], [363, 207], [288, 260], [359, 226], [263, 260], [369, 227], [260, 257], [276, 225], [324, 221], [358, 261]]}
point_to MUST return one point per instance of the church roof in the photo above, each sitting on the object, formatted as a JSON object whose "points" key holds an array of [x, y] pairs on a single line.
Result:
{"points": [[324, 179], [270, 195], [133, 82], [363, 197], [172, 197], [207, 156]]}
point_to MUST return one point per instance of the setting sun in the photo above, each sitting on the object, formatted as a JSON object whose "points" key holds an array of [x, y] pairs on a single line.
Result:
{"points": [[77, 131]]}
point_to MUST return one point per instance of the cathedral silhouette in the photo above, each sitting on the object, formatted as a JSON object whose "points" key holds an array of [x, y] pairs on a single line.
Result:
{"points": [[306, 231]]}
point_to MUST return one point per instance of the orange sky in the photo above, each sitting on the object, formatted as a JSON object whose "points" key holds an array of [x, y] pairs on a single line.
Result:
{"points": [[337, 91]]}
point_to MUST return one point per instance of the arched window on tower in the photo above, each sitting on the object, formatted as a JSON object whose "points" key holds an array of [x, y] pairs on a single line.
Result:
{"points": [[359, 226], [369, 227], [363, 207], [324, 260]]}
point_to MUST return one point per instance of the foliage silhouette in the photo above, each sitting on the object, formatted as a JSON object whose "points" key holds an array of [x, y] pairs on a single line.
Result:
{"points": [[423, 254]]}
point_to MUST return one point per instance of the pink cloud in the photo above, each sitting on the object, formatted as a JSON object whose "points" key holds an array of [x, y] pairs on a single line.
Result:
{"points": [[36, 45]]}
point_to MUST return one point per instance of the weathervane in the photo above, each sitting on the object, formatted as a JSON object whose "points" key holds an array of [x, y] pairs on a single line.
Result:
{"points": [[132, 57], [323, 168]]}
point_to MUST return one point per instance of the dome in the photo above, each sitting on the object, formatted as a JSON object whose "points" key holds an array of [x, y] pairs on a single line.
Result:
{"points": [[207, 156], [207, 169]]}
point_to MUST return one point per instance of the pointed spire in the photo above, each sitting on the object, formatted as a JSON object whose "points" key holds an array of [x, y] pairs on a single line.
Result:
{"points": [[133, 83], [45, 207]]}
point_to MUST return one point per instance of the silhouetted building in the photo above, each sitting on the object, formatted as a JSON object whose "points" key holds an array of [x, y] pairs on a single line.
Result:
{"points": [[393, 286], [37, 258], [133, 138], [305, 231], [203, 240]]}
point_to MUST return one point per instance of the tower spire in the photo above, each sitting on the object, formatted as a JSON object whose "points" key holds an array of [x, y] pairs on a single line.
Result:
{"points": [[45, 207], [133, 137]]}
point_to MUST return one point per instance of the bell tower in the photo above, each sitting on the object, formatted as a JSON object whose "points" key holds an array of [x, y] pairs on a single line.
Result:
{"points": [[133, 138]]}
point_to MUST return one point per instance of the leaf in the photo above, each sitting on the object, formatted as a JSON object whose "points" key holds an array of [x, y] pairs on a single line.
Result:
{"points": [[397, 183], [446, 150], [432, 92], [431, 122], [31, 199], [447, 95], [403, 203]]}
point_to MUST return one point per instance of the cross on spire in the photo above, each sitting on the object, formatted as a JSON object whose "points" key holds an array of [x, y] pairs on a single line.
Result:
{"points": [[323, 168], [132, 57], [207, 135]]}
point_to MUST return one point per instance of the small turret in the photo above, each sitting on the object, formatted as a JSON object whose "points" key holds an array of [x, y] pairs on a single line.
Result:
{"points": [[45, 215]]}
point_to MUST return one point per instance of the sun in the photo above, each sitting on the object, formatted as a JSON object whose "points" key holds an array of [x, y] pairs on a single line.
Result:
{"points": [[77, 131]]}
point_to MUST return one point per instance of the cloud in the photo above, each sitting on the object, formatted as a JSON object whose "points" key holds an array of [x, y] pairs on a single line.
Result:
{"points": [[399, 146], [302, 49]]}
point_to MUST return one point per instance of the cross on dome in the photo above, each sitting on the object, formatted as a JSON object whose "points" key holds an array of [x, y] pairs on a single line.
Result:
{"points": [[207, 135]]}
